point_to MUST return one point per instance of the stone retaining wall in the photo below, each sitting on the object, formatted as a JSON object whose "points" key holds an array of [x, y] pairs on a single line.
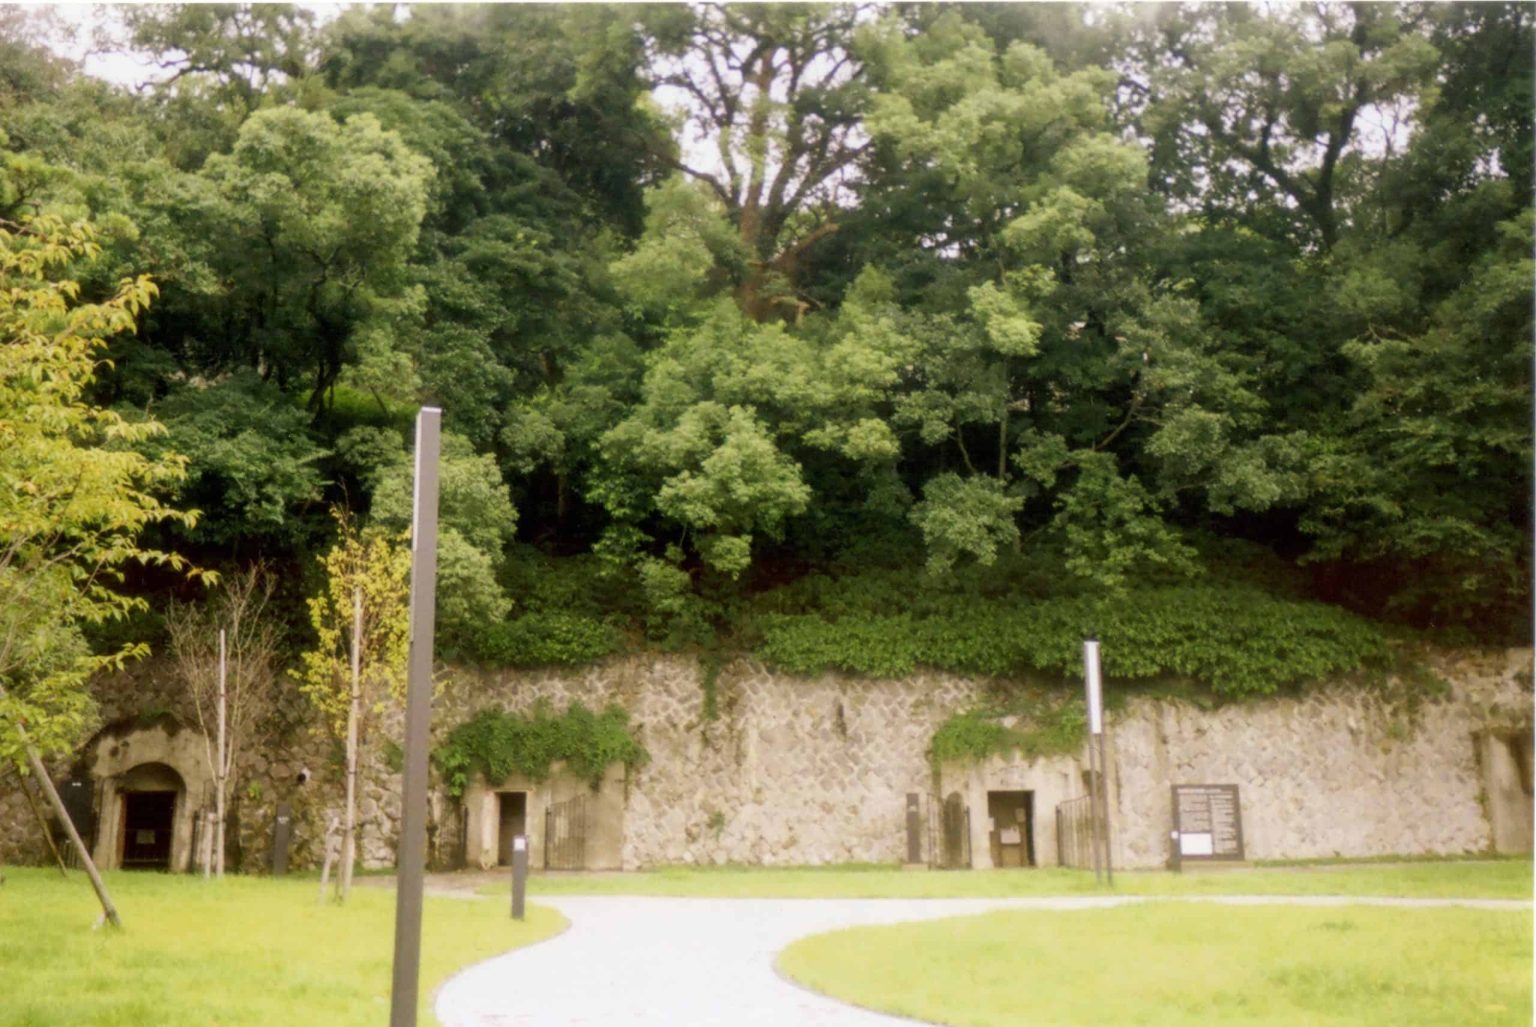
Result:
{"points": [[815, 771]]}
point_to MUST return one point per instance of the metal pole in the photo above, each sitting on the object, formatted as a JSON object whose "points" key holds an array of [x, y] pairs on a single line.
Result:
{"points": [[1093, 689], [412, 853], [1093, 811], [1109, 862]]}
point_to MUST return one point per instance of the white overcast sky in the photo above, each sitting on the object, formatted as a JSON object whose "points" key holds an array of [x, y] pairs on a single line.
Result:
{"points": [[122, 68]]}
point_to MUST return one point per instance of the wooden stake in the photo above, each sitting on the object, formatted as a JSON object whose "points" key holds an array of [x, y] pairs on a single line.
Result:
{"points": [[108, 910], [42, 824], [221, 770], [354, 711], [330, 854]]}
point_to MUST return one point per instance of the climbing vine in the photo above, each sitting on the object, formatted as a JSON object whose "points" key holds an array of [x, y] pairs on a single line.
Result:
{"points": [[497, 744], [1033, 723], [1234, 641]]}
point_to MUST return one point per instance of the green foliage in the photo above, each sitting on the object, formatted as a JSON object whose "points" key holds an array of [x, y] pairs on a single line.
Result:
{"points": [[988, 286], [476, 521], [543, 638], [75, 494], [1033, 724], [251, 457], [497, 744], [965, 517], [1236, 641]]}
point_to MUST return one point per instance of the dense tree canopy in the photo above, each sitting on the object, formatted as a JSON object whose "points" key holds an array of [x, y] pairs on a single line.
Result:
{"points": [[1039, 301]]}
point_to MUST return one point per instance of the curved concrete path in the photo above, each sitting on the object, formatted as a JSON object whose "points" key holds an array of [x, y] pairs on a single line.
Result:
{"points": [[676, 962]]}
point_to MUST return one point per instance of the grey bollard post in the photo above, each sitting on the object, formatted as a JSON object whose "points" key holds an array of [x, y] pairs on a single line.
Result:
{"points": [[519, 875], [282, 831]]}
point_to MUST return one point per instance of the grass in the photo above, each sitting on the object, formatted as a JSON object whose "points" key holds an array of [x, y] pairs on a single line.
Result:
{"points": [[1176, 964], [243, 951], [1494, 879]]}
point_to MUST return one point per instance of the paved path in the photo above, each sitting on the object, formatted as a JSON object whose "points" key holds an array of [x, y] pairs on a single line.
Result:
{"points": [[670, 962]]}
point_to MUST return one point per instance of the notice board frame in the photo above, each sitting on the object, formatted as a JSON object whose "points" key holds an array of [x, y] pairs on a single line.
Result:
{"points": [[1234, 854]]}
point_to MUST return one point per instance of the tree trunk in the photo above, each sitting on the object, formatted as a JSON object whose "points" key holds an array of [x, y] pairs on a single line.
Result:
{"points": [[221, 771], [349, 835]]}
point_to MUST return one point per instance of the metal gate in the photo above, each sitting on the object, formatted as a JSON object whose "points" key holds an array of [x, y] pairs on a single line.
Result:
{"points": [[1074, 834], [565, 834], [949, 833]]}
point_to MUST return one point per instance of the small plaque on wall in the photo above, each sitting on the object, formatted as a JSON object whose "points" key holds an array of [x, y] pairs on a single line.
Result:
{"points": [[1207, 822]]}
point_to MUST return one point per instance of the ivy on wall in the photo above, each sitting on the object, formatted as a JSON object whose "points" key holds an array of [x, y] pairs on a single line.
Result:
{"points": [[497, 744], [1034, 724], [546, 638], [1236, 641]]}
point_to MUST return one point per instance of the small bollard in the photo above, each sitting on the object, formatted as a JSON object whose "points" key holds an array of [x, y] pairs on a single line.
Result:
{"points": [[282, 832], [519, 875]]}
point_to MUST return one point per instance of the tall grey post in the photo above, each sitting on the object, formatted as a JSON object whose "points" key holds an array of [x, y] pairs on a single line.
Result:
{"points": [[1098, 782], [411, 855]]}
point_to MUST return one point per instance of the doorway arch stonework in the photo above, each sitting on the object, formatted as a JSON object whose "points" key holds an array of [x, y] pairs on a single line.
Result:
{"points": [[130, 759]]}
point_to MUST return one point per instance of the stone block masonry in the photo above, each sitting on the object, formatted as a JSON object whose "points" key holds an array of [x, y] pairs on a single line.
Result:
{"points": [[816, 771]]}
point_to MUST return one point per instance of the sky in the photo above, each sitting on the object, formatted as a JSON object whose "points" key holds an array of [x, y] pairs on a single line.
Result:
{"points": [[119, 67]]}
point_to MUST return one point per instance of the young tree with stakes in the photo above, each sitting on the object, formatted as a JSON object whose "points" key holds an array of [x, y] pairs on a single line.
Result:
{"points": [[227, 652], [362, 623]]}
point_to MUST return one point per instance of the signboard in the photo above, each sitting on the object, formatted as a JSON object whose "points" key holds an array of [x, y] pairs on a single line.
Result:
{"points": [[1207, 822]]}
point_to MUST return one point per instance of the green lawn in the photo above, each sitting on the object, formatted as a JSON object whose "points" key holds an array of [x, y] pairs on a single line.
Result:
{"points": [[1494, 879], [1175, 964], [241, 951]]}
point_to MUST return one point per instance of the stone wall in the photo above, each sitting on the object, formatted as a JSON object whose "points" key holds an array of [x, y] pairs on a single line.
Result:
{"points": [[815, 771], [1340, 773]]}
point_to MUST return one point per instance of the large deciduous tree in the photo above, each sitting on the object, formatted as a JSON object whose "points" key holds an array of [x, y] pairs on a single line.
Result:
{"points": [[770, 98], [75, 494], [317, 221]]}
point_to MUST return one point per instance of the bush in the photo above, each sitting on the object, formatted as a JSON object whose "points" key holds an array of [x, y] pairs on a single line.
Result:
{"points": [[547, 638], [1236, 641], [497, 744]]}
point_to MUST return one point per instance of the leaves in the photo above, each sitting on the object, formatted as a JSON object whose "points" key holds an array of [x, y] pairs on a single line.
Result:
{"points": [[75, 496]]}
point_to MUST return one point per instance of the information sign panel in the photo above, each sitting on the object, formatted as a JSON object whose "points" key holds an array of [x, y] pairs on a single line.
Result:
{"points": [[1207, 822]]}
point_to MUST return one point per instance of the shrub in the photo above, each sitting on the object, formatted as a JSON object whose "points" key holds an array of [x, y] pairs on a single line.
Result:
{"points": [[496, 743], [549, 638], [1237, 641]]}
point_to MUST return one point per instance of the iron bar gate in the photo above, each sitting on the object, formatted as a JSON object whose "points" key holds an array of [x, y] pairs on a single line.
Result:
{"points": [[949, 833], [565, 834], [1074, 834]]}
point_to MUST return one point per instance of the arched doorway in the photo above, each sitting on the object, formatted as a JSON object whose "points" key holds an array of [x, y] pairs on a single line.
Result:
{"points": [[149, 797], [153, 778]]}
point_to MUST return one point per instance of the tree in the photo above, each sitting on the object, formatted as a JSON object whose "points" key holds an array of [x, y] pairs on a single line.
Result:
{"points": [[476, 522], [316, 223], [74, 495], [1027, 298], [362, 627], [1245, 99], [227, 650], [776, 91]]}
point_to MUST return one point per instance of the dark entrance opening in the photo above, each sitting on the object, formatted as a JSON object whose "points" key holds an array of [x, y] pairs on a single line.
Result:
{"points": [[1012, 818], [512, 820], [147, 820]]}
